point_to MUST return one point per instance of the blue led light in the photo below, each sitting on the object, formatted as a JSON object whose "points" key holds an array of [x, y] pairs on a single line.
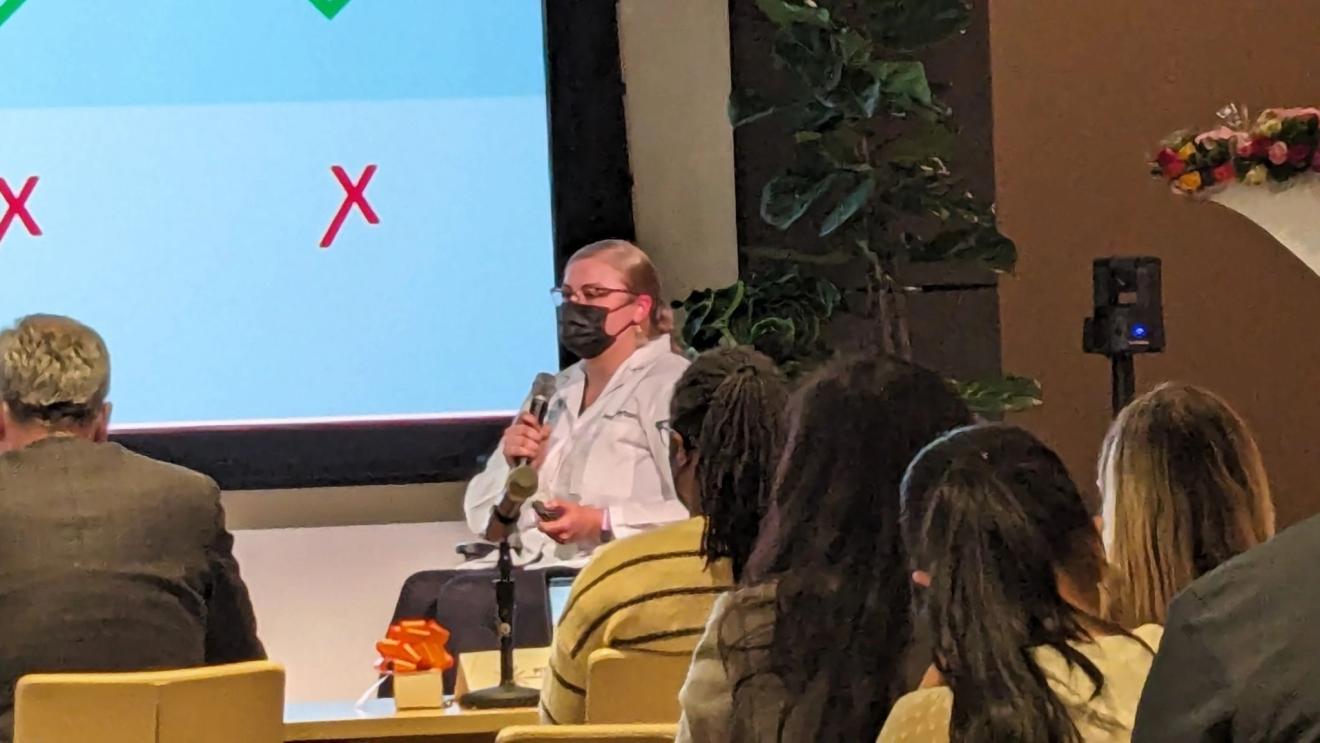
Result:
{"points": [[1139, 331]]}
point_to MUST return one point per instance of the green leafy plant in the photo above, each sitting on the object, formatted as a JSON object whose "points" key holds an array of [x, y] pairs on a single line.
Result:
{"points": [[784, 316], [869, 173]]}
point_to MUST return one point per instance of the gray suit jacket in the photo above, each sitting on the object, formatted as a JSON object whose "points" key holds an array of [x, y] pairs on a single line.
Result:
{"points": [[110, 561], [1240, 658]]}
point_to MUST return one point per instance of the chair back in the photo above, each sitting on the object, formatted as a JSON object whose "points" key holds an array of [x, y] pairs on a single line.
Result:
{"points": [[215, 704], [626, 686]]}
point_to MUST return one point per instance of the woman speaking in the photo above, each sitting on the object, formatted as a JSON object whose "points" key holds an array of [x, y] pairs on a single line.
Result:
{"points": [[601, 459]]}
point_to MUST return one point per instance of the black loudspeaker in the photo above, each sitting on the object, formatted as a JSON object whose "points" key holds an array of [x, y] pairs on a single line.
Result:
{"points": [[1129, 311], [1128, 318]]}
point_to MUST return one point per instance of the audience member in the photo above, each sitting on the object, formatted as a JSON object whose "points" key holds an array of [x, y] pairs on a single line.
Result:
{"points": [[1238, 661], [819, 647], [1009, 560], [109, 561], [654, 591], [726, 430], [1184, 490]]}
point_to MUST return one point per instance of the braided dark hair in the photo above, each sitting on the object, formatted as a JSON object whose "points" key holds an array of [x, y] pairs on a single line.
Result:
{"points": [[728, 407]]}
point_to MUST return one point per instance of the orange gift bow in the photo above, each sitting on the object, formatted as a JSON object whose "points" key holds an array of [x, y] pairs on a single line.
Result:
{"points": [[414, 645]]}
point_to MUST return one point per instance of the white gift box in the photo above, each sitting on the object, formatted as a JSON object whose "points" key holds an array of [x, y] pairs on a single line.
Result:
{"points": [[419, 690]]}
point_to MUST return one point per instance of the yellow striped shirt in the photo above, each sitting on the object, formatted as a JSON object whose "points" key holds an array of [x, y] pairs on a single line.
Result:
{"points": [[649, 592]]}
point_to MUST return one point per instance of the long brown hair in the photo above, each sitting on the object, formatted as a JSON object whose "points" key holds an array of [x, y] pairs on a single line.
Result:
{"points": [[836, 582], [991, 513], [1184, 490], [639, 275]]}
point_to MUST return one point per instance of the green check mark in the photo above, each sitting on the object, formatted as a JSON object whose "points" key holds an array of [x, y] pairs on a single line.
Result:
{"points": [[7, 9], [328, 8]]}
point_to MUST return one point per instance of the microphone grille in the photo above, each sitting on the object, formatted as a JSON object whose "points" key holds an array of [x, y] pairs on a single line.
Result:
{"points": [[544, 385], [521, 483]]}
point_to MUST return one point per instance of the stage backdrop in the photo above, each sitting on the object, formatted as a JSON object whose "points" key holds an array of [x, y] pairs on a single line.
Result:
{"points": [[1082, 92], [280, 211]]}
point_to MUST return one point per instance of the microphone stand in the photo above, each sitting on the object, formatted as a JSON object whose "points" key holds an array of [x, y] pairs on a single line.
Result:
{"points": [[507, 694], [520, 485]]}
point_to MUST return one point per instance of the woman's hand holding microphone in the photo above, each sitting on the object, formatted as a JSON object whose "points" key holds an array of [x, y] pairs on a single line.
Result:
{"points": [[525, 439]]}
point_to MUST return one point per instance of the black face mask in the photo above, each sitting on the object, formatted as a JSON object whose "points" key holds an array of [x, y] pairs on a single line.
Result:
{"points": [[582, 329]]}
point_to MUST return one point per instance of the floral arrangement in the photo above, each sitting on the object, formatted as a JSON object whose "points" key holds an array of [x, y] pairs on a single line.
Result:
{"points": [[1280, 146]]}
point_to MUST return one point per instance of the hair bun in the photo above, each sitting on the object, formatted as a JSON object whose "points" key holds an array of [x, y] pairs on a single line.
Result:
{"points": [[663, 318]]}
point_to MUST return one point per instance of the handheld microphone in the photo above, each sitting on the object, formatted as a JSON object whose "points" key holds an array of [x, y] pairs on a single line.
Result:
{"points": [[522, 481]]}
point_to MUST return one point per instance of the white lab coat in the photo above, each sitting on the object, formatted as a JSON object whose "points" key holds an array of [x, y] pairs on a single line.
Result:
{"points": [[613, 456]]}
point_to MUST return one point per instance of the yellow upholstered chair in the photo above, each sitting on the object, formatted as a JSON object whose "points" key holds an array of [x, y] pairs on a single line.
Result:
{"points": [[626, 687], [216, 704], [588, 733]]}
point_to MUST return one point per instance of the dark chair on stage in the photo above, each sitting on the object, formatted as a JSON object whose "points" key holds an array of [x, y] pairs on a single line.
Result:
{"points": [[463, 602]]}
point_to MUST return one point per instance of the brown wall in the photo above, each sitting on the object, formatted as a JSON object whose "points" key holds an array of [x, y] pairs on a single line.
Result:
{"points": [[1083, 90]]}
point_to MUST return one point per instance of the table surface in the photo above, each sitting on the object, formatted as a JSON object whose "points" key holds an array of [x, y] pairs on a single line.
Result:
{"points": [[377, 718]]}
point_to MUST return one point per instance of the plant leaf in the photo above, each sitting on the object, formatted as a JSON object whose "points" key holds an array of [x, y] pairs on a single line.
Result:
{"points": [[842, 147], [854, 48], [745, 106], [812, 54], [857, 94], [905, 84], [784, 13], [855, 199], [812, 115], [905, 25], [696, 308], [778, 326], [925, 141], [998, 395], [730, 299], [788, 196], [981, 244], [781, 314]]}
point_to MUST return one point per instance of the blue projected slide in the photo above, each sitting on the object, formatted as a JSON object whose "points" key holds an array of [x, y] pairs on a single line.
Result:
{"points": [[280, 210]]}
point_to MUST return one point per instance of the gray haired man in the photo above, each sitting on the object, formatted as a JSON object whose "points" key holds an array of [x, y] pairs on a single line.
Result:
{"points": [[109, 561]]}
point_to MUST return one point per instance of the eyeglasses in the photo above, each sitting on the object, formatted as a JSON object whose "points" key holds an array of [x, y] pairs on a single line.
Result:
{"points": [[670, 435], [588, 293]]}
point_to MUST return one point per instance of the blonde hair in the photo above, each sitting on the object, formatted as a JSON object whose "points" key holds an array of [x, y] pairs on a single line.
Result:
{"points": [[639, 275], [53, 370], [1187, 490]]}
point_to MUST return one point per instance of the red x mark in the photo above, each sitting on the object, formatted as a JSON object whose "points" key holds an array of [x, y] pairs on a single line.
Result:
{"points": [[354, 194], [16, 206]]}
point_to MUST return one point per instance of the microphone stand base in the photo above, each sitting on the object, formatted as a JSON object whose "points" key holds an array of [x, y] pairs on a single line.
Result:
{"points": [[505, 696]]}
